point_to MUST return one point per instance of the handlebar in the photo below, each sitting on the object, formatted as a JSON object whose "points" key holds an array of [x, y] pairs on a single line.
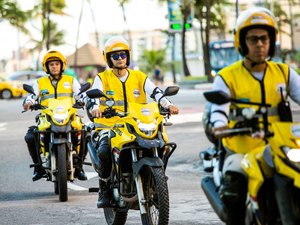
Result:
{"points": [[233, 132]]}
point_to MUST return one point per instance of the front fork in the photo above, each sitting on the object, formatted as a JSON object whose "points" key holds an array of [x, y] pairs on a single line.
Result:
{"points": [[70, 169], [138, 182]]}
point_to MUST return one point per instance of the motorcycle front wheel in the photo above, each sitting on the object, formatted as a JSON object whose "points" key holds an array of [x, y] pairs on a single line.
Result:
{"points": [[62, 175], [156, 194], [115, 217]]}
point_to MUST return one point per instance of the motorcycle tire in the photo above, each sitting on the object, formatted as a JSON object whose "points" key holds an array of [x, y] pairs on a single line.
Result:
{"points": [[56, 191], [156, 194], [62, 175], [115, 217]]}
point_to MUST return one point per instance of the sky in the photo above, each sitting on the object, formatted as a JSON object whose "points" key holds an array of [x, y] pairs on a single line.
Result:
{"points": [[141, 14]]}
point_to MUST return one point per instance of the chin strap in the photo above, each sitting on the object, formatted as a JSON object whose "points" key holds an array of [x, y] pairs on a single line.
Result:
{"points": [[253, 64], [119, 68]]}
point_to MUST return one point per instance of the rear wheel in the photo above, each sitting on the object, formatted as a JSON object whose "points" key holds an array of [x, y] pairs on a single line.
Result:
{"points": [[62, 175], [156, 194], [6, 94]]}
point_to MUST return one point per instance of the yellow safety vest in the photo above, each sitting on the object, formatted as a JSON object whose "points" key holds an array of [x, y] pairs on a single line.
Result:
{"points": [[132, 90], [244, 86], [63, 90]]}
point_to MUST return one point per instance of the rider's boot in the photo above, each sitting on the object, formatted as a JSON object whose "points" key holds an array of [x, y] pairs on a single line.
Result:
{"points": [[104, 193], [38, 173], [36, 159], [233, 193], [79, 173]]}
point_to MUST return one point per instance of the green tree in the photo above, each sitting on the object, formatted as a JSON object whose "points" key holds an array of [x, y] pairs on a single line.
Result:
{"points": [[211, 16], [10, 11], [49, 30], [150, 58]]}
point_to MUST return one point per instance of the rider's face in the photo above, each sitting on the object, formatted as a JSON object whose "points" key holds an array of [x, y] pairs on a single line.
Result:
{"points": [[54, 68], [119, 58], [258, 43]]}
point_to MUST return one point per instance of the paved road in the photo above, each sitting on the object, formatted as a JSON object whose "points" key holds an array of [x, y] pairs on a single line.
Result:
{"points": [[25, 202]]}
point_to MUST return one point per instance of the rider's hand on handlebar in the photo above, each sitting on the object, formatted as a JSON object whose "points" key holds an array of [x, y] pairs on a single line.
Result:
{"points": [[27, 105], [217, 130], [96, 113], [173, 109]]}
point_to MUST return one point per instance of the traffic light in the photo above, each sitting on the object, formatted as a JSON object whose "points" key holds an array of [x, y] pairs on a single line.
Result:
{"points": [[177, 26], [175, 16]]}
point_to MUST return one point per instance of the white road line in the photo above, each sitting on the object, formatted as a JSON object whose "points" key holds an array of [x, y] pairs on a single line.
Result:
{"points": [[3, 126], [76, 187], [189, 117]]}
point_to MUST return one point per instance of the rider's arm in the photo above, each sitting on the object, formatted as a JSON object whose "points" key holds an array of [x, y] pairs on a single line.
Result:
{"points": [[76, 86], [154, 91], [30, 98], [294, 84], [97, 85], [219, 113]]}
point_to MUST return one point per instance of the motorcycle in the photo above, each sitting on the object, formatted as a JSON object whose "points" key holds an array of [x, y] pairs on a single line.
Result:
{"points": [[273, 195], [60, 123], [140, 151]]}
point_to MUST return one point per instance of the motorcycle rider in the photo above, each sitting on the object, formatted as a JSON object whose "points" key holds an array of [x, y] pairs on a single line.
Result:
{"points": [[255, 78], [56, 85], [125, 85]]}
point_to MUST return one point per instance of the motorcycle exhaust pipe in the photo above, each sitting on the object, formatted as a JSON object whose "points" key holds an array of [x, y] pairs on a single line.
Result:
{"points": [[210, 190], [94, 156]]}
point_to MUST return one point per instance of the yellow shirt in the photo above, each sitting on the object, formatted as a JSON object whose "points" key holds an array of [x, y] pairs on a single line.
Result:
{"points": [[47, 90], [244, 86], [132, 90]]}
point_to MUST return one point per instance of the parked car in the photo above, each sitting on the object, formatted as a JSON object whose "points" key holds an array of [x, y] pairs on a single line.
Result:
{"points": [[26, 77], [10, 89]]}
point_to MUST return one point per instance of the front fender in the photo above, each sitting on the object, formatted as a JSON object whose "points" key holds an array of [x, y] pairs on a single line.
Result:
{"points": [[152, 162]]}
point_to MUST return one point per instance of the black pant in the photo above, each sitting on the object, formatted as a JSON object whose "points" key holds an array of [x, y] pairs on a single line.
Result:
{"points": [[104, 156], [32, 143]]}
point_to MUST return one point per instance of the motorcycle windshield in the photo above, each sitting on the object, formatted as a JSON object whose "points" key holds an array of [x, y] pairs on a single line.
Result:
{"points": [[145, 113]]}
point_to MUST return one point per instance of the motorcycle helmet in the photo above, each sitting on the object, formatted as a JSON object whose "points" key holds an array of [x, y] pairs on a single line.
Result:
{"points": [[115, 44], [257, 17], [53, 55]]}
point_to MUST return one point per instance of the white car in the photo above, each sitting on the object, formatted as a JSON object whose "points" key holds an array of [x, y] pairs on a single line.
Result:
{"points": [[26, 77]]}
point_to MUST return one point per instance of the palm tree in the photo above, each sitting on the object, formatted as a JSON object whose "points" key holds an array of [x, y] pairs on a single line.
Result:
{"points": [[122, 4], [10, 11], [151, 58], [51, 35]]}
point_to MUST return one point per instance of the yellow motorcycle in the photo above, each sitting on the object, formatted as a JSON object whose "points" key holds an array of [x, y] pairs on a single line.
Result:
{"points": [[60, 125], [140, 151], [273, 170]]}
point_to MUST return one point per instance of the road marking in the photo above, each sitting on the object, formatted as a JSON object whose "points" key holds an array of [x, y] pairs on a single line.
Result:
{"points": [[3, 126], [76, 187], [188, 117]]}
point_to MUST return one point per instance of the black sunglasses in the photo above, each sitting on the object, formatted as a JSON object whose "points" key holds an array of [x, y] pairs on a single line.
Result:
{"points": [[116, 55], [254, 39]]}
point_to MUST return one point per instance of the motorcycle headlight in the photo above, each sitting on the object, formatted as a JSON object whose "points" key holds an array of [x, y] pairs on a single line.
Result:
{"points": [[147, 128], [293, 155], [60, 117]]}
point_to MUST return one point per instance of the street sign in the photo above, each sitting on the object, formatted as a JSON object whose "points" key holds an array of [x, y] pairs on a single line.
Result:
{"points": [[176, 17]]}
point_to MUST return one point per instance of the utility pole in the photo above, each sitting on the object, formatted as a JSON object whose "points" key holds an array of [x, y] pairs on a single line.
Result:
{"points": [[292, 29]]}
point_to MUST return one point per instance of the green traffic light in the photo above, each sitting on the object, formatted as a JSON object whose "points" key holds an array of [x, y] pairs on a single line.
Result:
{"points": [[188, 26], [176, 26]]}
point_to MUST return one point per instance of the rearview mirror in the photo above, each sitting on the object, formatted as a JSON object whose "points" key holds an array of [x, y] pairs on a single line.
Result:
{"points": [[95, 93], [28, 88], [217, 97]]}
